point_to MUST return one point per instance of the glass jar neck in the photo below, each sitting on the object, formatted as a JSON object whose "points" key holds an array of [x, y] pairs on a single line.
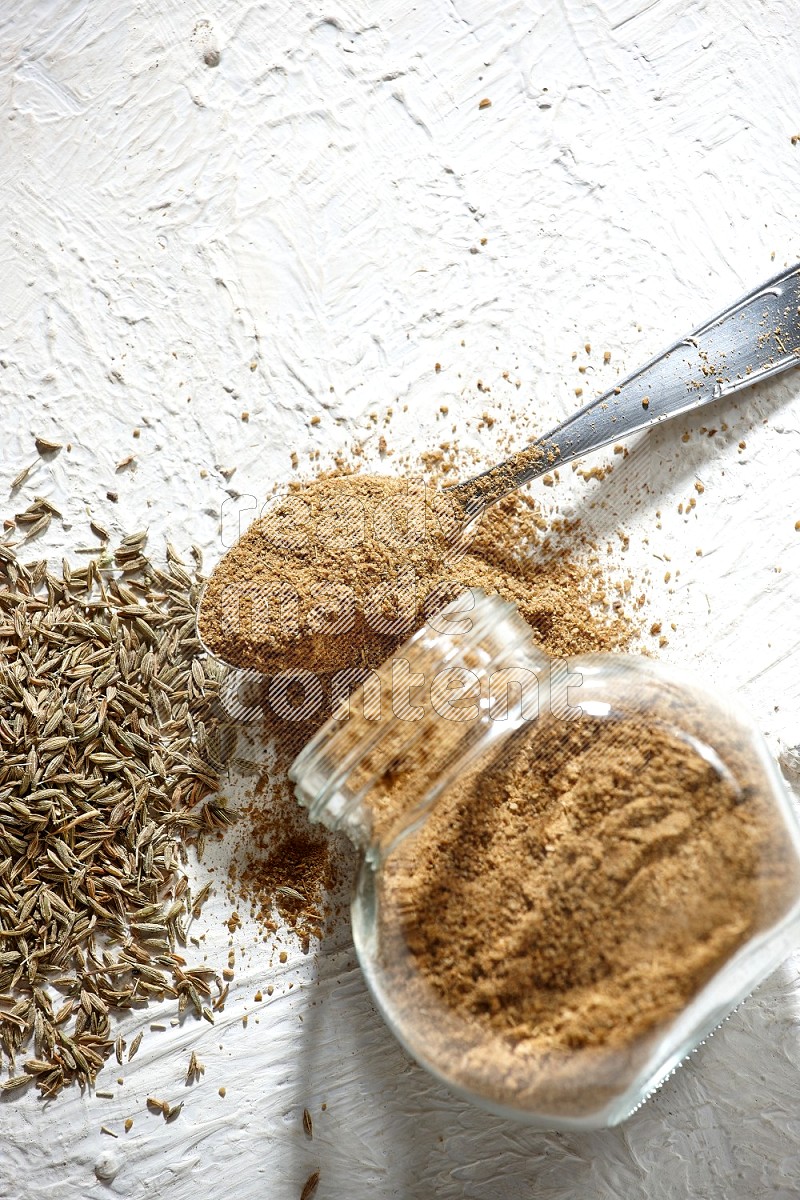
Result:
{"points": [[467, 679]]}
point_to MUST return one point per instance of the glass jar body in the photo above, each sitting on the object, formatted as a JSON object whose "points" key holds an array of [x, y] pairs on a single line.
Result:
{"points": [[540, 975]]}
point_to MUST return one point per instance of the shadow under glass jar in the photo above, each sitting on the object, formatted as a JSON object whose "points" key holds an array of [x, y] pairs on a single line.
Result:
{"points": [[571, 872]]}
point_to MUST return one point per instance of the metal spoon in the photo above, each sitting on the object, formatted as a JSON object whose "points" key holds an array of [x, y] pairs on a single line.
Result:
{"points": [[755, 338]]}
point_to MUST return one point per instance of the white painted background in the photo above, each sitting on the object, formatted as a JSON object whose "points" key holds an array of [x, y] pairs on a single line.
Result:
{"points": [[289, 234]]}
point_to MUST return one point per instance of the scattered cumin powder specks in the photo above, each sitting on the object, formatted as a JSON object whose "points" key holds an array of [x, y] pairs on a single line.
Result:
{"points": [[290, 873], [596, 472]]}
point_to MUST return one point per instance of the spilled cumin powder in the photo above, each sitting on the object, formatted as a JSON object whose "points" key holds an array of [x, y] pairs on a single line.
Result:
{"points": [[291, 873], [342, 570], [569, 896]]}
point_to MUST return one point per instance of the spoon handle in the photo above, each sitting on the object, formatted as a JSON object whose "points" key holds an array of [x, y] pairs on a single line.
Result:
{"points": [[755, 338]]}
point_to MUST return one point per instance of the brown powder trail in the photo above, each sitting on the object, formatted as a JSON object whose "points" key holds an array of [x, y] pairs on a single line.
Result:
{"points": [[289, 871]]}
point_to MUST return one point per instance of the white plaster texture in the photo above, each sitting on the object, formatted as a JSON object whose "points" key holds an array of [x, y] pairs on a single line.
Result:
{"points": [[279, 209]]}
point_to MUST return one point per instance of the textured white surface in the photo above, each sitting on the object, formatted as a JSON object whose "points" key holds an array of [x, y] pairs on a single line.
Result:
{"points": [[290, 233]]}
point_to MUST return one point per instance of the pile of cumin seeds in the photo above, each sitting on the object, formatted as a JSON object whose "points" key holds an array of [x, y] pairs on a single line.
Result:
{"points": [[107, 771]]}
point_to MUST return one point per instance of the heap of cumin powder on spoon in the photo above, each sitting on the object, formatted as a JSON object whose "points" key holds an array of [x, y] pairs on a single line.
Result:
{"points": [[340, 571]]}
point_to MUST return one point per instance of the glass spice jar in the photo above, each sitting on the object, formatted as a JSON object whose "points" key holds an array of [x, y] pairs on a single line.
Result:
{"points": [[572, 872]]}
